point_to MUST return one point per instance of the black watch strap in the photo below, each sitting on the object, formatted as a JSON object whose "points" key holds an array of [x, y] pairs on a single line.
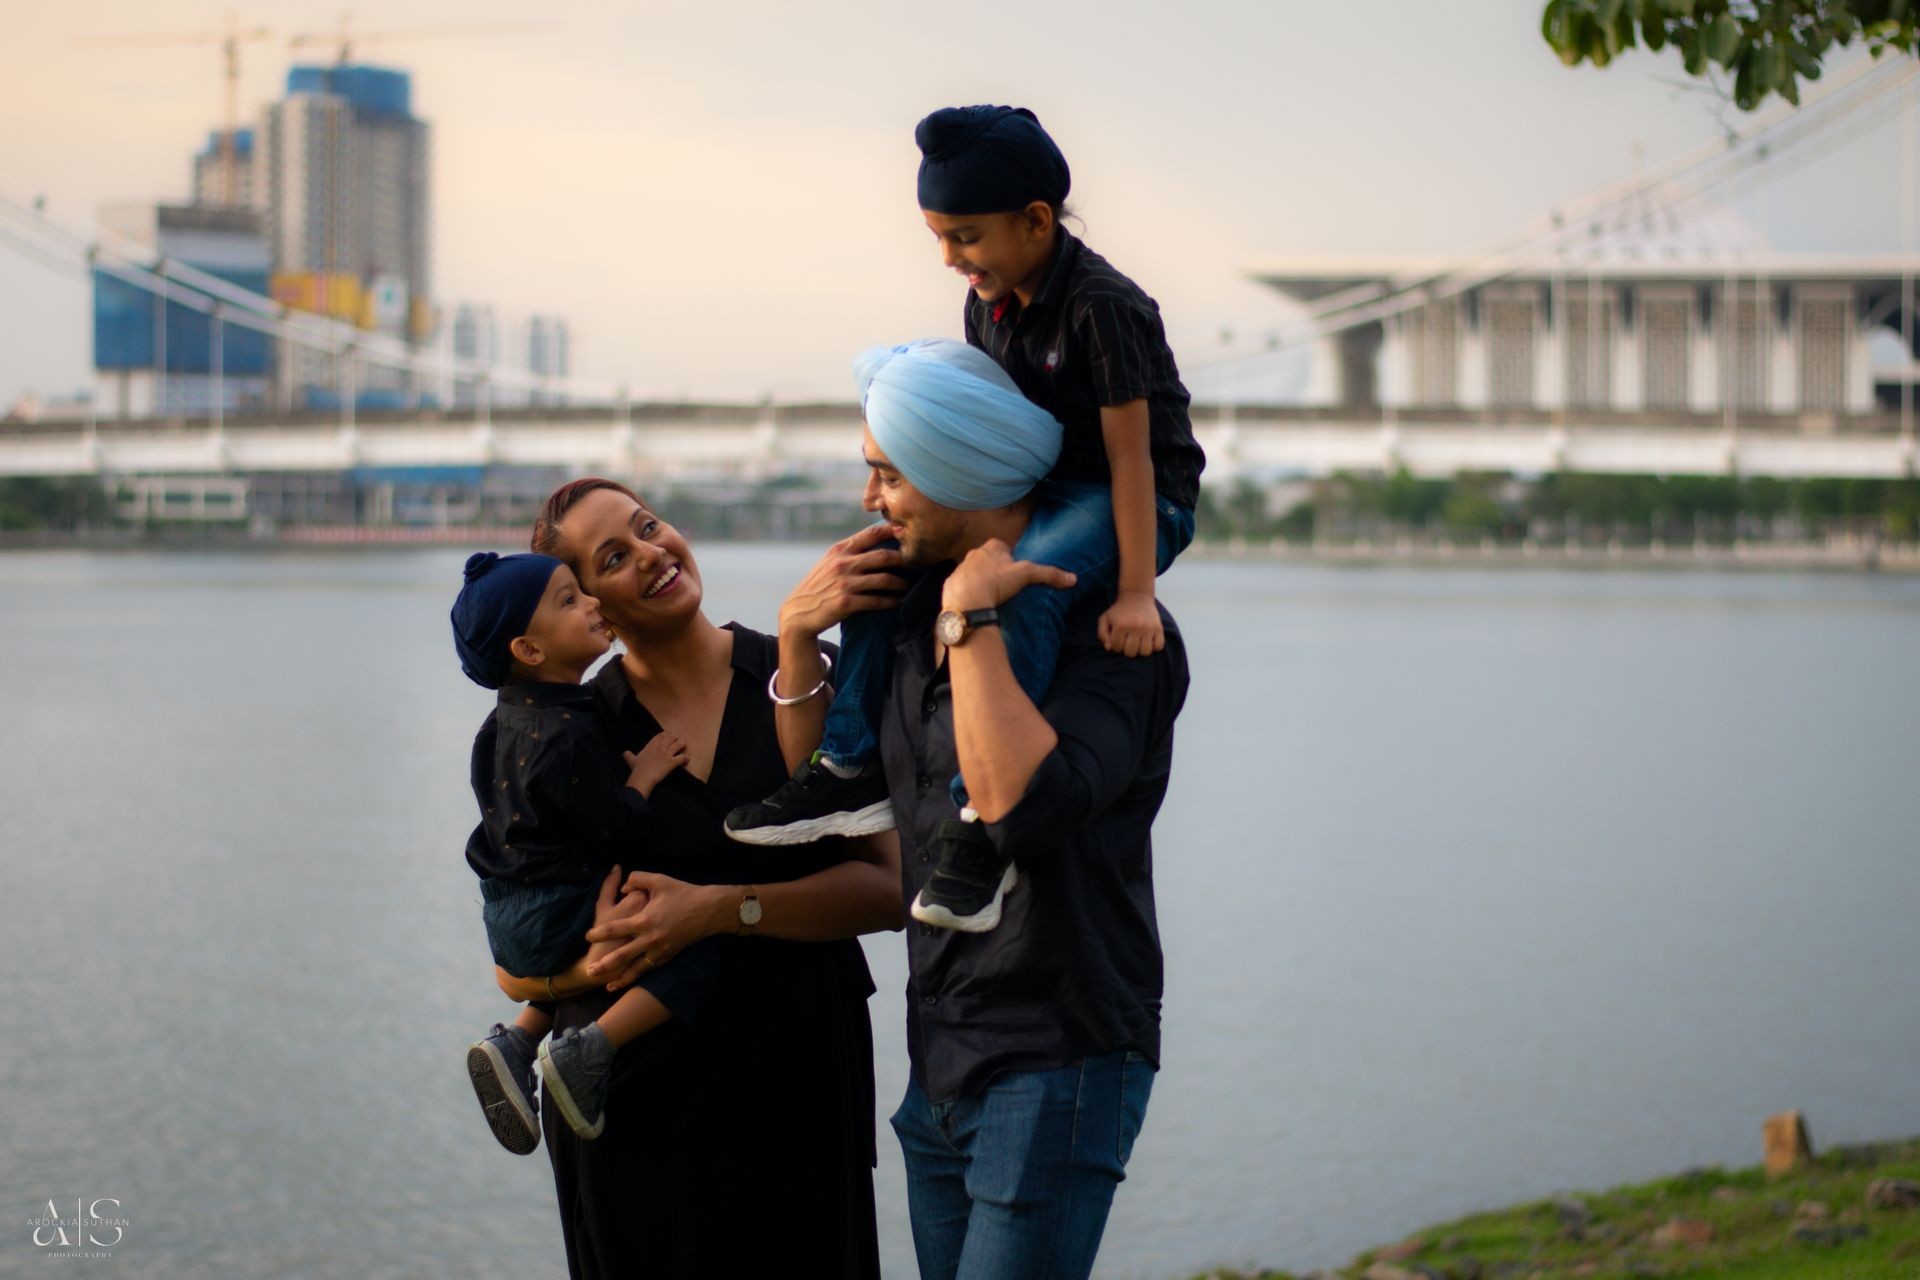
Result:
{"points": [[977, 618]]}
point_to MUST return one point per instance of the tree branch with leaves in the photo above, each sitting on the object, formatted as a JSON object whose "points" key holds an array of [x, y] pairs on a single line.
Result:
{"points": [[1768, 48]]}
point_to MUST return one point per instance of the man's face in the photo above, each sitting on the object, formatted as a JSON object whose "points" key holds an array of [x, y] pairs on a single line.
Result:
{"points": [[927, 532], [995, 252]]}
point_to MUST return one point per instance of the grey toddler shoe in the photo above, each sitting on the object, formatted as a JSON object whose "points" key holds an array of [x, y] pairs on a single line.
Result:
{"points": [[501, 1068], [575, 1064]]}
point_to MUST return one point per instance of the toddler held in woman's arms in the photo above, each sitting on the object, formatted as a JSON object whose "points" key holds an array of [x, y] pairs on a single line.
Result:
{"points": [[556, 814]]}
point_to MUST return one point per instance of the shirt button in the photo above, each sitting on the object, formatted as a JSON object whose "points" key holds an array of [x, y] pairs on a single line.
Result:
{"points": [[924, 781], [928, 707], [929, 1000], [923, 855]]}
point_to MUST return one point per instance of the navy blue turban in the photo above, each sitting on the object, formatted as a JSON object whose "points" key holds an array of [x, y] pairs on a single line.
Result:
{"points": [[988, 160], [954, 424], [495, 606]]}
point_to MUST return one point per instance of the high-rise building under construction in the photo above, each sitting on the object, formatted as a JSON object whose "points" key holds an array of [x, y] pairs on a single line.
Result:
{"points": [[347, 170]]}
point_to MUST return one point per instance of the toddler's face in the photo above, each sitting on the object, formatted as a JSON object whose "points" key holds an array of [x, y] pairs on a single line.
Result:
{"points": [[995, 252], [567, 626]]}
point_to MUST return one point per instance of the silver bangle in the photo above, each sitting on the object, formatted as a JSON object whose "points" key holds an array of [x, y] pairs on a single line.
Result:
{"points": [[774, 679]]}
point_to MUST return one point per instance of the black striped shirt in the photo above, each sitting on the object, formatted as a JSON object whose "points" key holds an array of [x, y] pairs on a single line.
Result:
{"points": [[1092, 338]]}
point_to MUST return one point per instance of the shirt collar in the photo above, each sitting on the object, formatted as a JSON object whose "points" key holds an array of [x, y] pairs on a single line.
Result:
{"points": [[538, 695], [922, 601], [749, 656], [1066, 252]]}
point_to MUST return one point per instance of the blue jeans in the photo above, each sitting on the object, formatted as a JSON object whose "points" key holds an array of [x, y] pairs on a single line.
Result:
{"points": [[1017, 1182], [1072, 529]]}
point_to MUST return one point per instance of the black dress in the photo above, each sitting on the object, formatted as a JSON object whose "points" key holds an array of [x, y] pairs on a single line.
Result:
{"points": [[742, 1142]]}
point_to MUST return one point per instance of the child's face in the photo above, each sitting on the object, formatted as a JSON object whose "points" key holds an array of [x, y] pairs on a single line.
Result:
{"points": [[998, 253], [567, 628]]}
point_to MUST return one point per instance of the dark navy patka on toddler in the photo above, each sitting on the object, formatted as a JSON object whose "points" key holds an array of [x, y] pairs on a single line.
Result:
{"points": [[495, 604]]}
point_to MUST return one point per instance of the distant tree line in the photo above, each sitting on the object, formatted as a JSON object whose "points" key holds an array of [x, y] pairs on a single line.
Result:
{"points": [[67, 504], [1631, 508]]}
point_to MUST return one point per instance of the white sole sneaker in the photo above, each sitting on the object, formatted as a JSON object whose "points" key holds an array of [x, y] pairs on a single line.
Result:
{"points": [[509, 1111], [557, 1090], [981, 921], [875, 818]]}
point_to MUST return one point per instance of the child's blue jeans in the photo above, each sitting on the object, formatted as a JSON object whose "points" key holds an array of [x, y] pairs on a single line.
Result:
{"points": [[1071, 529]]}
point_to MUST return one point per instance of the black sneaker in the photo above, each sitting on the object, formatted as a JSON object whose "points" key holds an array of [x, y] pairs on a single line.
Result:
{"points": [[969, 879], [816, 802]]}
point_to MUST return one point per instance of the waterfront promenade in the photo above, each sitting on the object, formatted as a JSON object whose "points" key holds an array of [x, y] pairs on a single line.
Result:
{"points": [[655, 442]]}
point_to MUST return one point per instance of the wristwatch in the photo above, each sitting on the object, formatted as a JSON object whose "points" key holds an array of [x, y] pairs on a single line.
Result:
{"points": [[749, 910], [952, 627]]}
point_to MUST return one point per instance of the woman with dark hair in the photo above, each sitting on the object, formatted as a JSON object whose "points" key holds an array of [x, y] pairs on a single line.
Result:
{"points": [[742, 1141]]}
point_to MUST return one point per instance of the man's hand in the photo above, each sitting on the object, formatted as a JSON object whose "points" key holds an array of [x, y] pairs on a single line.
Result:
{"points": [[1132, 626], [850, 578], [990, 576]]}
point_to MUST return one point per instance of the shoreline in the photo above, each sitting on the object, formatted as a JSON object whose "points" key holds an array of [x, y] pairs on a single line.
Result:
{"points": [[1850, 556], [1738, 557]]}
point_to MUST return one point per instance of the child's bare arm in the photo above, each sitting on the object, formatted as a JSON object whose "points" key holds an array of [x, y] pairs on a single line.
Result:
{"points": [[654, 761], [1132, 625]]}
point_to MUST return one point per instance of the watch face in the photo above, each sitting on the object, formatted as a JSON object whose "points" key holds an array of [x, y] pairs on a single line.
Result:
{"points": [[950, 626], [750, 912]]}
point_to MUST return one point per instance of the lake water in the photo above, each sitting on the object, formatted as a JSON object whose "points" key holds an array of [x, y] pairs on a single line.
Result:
{"points": [[1474, 886]]}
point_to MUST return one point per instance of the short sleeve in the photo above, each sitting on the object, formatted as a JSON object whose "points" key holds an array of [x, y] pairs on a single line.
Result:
{"points": [[972, 321], [1119, 340]]}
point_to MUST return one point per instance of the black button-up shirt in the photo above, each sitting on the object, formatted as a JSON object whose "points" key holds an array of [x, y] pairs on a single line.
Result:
{"points": [[1074, 968], [1091, 338], [554, 804], [555, 808]]}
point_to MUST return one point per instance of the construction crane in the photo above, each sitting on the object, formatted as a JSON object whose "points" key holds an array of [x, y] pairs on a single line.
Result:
{"points": [[229, 41], [345, 41]]}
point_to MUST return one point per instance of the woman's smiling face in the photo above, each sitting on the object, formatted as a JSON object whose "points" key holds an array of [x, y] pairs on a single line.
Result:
{"points": [[637, 564]]}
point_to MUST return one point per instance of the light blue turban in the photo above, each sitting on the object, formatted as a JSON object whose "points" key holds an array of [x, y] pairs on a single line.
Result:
{"points": [[954, 424]]}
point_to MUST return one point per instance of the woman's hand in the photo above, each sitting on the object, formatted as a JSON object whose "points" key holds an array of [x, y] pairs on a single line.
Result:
{"points": [[850, 578], [671, 916]]}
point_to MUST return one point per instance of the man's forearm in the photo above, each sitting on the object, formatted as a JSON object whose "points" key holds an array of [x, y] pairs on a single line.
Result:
{"points": [[999, 735]]}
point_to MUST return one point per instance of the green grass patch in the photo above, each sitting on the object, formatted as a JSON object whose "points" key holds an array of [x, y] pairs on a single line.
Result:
{"points": [[1815, 1224]]}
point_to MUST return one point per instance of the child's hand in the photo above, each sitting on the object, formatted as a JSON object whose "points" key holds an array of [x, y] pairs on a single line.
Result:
{"points": [[1132, 626], [654, 761]]}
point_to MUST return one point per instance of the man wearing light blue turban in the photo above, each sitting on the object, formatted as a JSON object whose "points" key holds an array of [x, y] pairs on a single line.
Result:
{"points": [[1033, 1016], [945, 418], [948, 421]]}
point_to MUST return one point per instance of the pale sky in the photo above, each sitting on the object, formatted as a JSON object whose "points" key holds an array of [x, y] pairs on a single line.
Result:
{"points": [[720, 196]]}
